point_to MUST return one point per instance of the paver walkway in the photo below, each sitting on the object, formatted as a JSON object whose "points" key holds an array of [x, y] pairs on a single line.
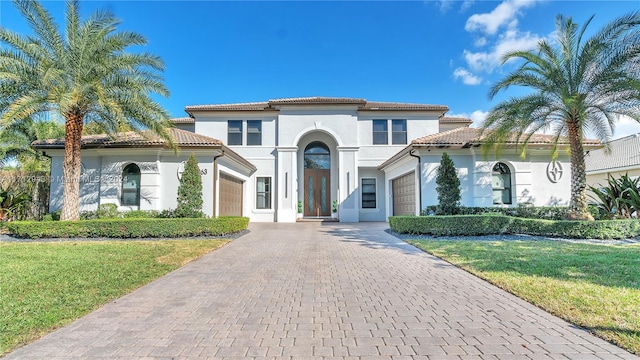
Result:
{"points": [[319, 291]]}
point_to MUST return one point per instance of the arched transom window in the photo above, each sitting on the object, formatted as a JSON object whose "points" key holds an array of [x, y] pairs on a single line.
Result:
{"points": [[501, 184], [130, 186], [317, 156]]}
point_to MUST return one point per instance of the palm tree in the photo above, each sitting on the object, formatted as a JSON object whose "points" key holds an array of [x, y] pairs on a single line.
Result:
{"points": [[579, 86], [16, 139], [83, 76]]}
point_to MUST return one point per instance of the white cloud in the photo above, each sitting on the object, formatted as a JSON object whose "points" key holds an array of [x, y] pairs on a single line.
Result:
{"points": [[466, 4], [626, 126], [477, 117], [511, 40], [467, 77], [481, 41], [503, 15], [446, 5]]}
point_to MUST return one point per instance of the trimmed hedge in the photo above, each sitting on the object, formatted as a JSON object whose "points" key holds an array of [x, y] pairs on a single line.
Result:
{"points": [[532, 212], [471, 225], [128, 228], [451, 225]]}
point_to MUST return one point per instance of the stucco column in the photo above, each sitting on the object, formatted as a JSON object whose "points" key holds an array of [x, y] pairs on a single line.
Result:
{"points": [[286, 182], [349, 189]]}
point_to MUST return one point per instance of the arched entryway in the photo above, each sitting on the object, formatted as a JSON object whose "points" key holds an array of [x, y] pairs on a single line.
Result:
{"points": [[317, 179]]}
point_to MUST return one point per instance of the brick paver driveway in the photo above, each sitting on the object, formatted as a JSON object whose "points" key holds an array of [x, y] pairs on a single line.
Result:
{"points": [[320, 291]]}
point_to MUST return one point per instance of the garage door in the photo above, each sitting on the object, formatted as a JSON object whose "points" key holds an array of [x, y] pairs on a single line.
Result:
{"points": [[404, 195], [230, 195]]}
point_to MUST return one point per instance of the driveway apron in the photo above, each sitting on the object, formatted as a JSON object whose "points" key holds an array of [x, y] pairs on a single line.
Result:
{"points": [[319, 291]]}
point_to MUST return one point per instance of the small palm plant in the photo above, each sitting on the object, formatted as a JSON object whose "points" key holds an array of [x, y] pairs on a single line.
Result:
{"points": [[619, 199]]}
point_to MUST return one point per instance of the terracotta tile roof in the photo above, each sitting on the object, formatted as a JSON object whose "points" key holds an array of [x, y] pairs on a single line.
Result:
{"points": [[376, 105], [455, 120], [182, 138], [316, 100], [466, 137], [251, 106], [183, 120], [362, 104], [625, 153]]}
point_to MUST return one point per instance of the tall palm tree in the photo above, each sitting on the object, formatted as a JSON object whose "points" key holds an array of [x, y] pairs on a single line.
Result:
{"points": [[83, 75], [579, 86]]}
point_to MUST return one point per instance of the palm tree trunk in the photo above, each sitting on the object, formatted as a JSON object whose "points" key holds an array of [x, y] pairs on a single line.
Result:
{"points": [[578, 208], [71, 167]]}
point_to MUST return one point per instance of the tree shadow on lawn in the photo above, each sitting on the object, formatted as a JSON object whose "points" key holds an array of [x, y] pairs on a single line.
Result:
{"points": [[610, 266]]}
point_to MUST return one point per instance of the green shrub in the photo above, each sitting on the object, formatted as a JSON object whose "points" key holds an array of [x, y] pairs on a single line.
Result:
{"points": [[492, 224], [464, 225], [53, 216], [140, 214], [128, 228], [190, 191], [525, 211], [619, 199], [448, 187], [104, 211], [604, 229]]}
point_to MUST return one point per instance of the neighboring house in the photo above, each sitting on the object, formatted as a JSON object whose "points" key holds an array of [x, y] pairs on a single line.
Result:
{"points": [[623, 158], [275, 154]]}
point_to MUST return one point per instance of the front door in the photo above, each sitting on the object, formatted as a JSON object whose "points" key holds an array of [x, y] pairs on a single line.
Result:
{"points": [[317, 192], [317, 180]]}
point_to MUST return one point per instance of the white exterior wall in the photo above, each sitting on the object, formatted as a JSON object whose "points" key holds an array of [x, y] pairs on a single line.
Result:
{"points": [[371, 155], [400, 168], [285, 134], [545, 192], [379, 213], [530, 183], [101, 179]]}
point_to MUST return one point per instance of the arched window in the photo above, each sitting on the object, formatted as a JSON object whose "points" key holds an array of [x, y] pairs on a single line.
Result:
{"points": [[317, 156], [501, 184], [130, 186]]}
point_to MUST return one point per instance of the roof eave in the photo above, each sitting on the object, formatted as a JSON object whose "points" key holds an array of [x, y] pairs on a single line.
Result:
{"points": [[239, 159], [399, 155]]}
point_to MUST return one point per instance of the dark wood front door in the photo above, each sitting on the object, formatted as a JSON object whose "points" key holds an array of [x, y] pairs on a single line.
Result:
{"points": [[317, 192]]}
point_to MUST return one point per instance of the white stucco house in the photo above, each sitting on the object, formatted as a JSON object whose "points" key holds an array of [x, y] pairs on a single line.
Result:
{"points": [[264, 159]]}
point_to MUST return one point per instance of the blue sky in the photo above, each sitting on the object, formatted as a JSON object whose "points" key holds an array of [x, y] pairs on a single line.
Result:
{"points": [[434, 52]]}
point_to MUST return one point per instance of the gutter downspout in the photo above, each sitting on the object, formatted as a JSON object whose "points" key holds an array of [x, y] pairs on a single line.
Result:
{"points": [[215, 182], [419, 179]]}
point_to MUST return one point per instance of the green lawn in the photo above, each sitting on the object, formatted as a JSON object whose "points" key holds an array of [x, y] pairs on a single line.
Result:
{"points": [[46, 285], [593, 286]]}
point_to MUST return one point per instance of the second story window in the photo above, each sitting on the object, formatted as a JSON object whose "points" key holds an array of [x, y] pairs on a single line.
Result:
{"points": [[234, 132], [380, 132], [398, 131], [254, 132]]}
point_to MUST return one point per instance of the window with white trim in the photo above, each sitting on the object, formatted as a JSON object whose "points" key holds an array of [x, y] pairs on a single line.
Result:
{"points": [[501, 184], [399, 132], [368, 187], [263, 193], [130, 186], [254, 132], [380, 132], [234, 132]]}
